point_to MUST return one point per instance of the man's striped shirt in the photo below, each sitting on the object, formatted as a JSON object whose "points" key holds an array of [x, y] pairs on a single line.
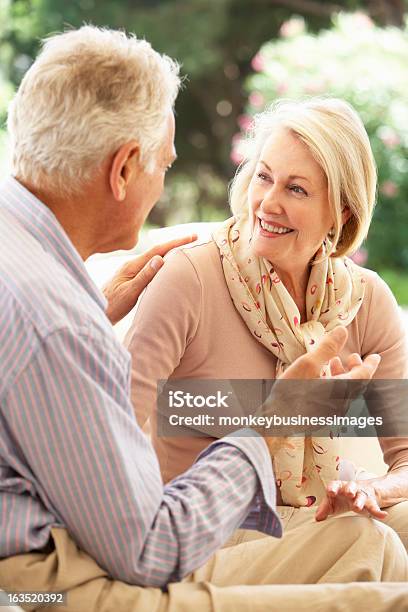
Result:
{"points": [[71, 452]]}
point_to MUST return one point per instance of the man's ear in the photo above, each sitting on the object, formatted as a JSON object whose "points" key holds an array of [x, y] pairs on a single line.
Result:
{"points": [[345, 214], [124, 165]]}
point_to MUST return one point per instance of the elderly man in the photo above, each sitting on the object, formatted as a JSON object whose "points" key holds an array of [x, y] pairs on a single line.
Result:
{"points": [[83, 508]]}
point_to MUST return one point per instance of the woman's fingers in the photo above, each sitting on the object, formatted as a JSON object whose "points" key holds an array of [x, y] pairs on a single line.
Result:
{"points": [[372, 507], [342, 496], [342, 487], [350, 489], [324, 510], [365, 501], [360, 501], [334, 487]]}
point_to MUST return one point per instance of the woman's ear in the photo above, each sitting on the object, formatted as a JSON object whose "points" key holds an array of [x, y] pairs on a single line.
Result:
{"points": [[345, 214]]}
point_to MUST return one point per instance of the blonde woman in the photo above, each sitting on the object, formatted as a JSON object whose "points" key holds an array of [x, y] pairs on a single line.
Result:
{"points": [[264, 290]]}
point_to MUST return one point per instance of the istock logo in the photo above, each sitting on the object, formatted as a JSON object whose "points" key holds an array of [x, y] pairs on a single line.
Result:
{"points": [[180, 399]]}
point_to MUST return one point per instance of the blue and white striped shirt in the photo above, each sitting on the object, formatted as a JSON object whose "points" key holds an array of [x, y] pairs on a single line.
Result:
{"points": [[71, 452]]}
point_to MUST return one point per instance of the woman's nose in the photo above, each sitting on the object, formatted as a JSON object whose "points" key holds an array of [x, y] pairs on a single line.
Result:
{"points": [[271, 202]]}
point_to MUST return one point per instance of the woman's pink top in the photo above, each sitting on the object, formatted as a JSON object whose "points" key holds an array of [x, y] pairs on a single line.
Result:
{"points": [[186, 326]]}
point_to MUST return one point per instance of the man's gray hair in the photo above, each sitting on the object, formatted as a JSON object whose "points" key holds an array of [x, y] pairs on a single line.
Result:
{"points": [[88, 92]]}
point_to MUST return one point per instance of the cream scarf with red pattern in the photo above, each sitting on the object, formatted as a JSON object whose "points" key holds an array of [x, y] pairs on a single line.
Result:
{"points": [[335, 293]]}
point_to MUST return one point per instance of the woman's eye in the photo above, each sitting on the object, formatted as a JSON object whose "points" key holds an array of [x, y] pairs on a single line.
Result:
{"points": [[298, 189], [262, 176]]}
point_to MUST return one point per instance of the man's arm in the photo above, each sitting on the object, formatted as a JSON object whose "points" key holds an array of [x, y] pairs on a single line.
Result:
{"points": [[97, 473]]}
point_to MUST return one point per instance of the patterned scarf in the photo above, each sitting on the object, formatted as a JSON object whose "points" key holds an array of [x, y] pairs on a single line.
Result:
{"points": [[335, 291]]}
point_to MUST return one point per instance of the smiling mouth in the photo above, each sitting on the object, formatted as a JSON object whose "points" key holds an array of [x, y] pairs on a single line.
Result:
{"points": [[274, 230]]}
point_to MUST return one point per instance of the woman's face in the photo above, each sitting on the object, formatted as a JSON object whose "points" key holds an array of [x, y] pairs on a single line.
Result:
{"points": [[288, 198]]}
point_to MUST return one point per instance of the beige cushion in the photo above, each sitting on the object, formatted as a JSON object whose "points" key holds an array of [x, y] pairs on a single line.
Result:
{"points": [[366, 453]]}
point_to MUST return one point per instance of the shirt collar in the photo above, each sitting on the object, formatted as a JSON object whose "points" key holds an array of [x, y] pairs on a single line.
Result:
{"points": [[41, 223]]}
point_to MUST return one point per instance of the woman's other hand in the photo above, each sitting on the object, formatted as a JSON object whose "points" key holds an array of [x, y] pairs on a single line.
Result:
{"points": [[361, 497], [370, 495]]}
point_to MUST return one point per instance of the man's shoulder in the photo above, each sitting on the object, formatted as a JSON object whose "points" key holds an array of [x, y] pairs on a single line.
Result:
{"points": [[36, 286], [34, 319]]}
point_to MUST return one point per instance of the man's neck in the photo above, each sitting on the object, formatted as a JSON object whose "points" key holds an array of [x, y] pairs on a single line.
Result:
{"points": [[72, 214]]}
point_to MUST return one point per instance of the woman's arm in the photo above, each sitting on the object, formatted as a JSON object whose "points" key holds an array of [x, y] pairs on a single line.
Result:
{"points": [[385, 334], [385, 331], [165, 323]]}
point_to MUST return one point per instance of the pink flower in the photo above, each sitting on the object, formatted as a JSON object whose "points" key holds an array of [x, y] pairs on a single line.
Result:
{"points": [[389, 189], [363, 21], [256, 99], [293, 27], [258, 62], [236, 156], [245, 122]]}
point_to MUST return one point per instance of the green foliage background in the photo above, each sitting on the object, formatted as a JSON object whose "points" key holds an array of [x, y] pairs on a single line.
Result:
{"points": [[216, 41]]}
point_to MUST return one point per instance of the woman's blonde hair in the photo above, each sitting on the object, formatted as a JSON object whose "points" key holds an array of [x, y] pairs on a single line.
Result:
{"points": [[89, 91], [336, 137]]}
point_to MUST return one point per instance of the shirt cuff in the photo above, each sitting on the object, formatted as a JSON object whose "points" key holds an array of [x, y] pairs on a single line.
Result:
{"points": [[262, 516]]}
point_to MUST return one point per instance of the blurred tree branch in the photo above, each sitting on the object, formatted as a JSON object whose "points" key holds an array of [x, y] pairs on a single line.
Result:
{"points": [[387, 12]]}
